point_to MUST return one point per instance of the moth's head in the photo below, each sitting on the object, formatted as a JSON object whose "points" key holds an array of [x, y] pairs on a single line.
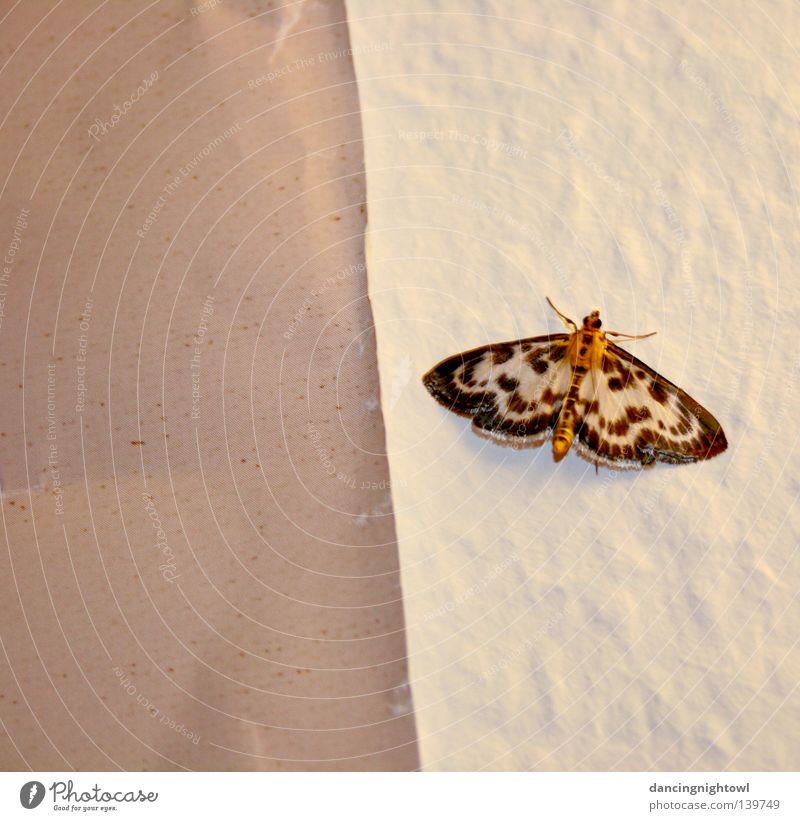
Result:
{"points": [[592, 322]]}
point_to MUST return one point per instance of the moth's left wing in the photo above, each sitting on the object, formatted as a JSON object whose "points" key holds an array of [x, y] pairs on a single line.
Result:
{"points": [[633, 417], [512, 391]]}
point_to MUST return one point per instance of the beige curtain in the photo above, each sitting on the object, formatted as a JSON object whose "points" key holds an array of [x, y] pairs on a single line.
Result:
{"points": [[200, 569]]}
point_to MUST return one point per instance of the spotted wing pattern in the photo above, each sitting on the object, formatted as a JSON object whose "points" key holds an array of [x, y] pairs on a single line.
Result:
{"points": [[631, 417], [512, 391]]}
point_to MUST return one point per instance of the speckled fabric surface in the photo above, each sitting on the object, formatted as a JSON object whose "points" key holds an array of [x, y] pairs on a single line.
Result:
{"points": [[200, 568]]}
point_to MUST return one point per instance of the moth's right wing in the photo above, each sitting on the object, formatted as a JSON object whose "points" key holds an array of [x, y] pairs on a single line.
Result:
{"points": [[512, 391], [634, 417]]}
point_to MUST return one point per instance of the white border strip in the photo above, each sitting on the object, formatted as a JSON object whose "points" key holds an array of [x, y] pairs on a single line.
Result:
{"points": [[350, 796]]}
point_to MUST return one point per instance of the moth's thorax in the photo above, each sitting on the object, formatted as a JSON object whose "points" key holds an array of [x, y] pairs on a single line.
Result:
{"points": [[587, 344]]}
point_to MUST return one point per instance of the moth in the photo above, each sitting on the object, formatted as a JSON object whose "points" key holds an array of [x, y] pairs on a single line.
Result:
{"points": [[581, 390]]}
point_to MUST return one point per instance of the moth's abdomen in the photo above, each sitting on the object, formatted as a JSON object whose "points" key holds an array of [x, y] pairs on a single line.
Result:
{"points": [[562, 441], [564, 431]]}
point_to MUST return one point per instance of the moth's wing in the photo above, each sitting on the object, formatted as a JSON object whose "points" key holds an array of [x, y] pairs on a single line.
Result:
{"points": [[632, 417], [512, 391]]}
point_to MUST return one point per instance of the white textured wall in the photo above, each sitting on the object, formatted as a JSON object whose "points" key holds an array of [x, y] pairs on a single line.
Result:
{"points": [[641, 161]]}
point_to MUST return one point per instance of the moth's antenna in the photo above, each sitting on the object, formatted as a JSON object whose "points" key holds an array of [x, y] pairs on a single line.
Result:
{"points": [[630, 336], [565, 319]]}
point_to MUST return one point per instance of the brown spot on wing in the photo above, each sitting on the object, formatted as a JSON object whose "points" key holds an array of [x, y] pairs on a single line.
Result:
{"points": [[518, 405], [507, 383], [501, 353], [590, 438], [619, 427], [637, 414], [657, 392], [468, 372]]}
